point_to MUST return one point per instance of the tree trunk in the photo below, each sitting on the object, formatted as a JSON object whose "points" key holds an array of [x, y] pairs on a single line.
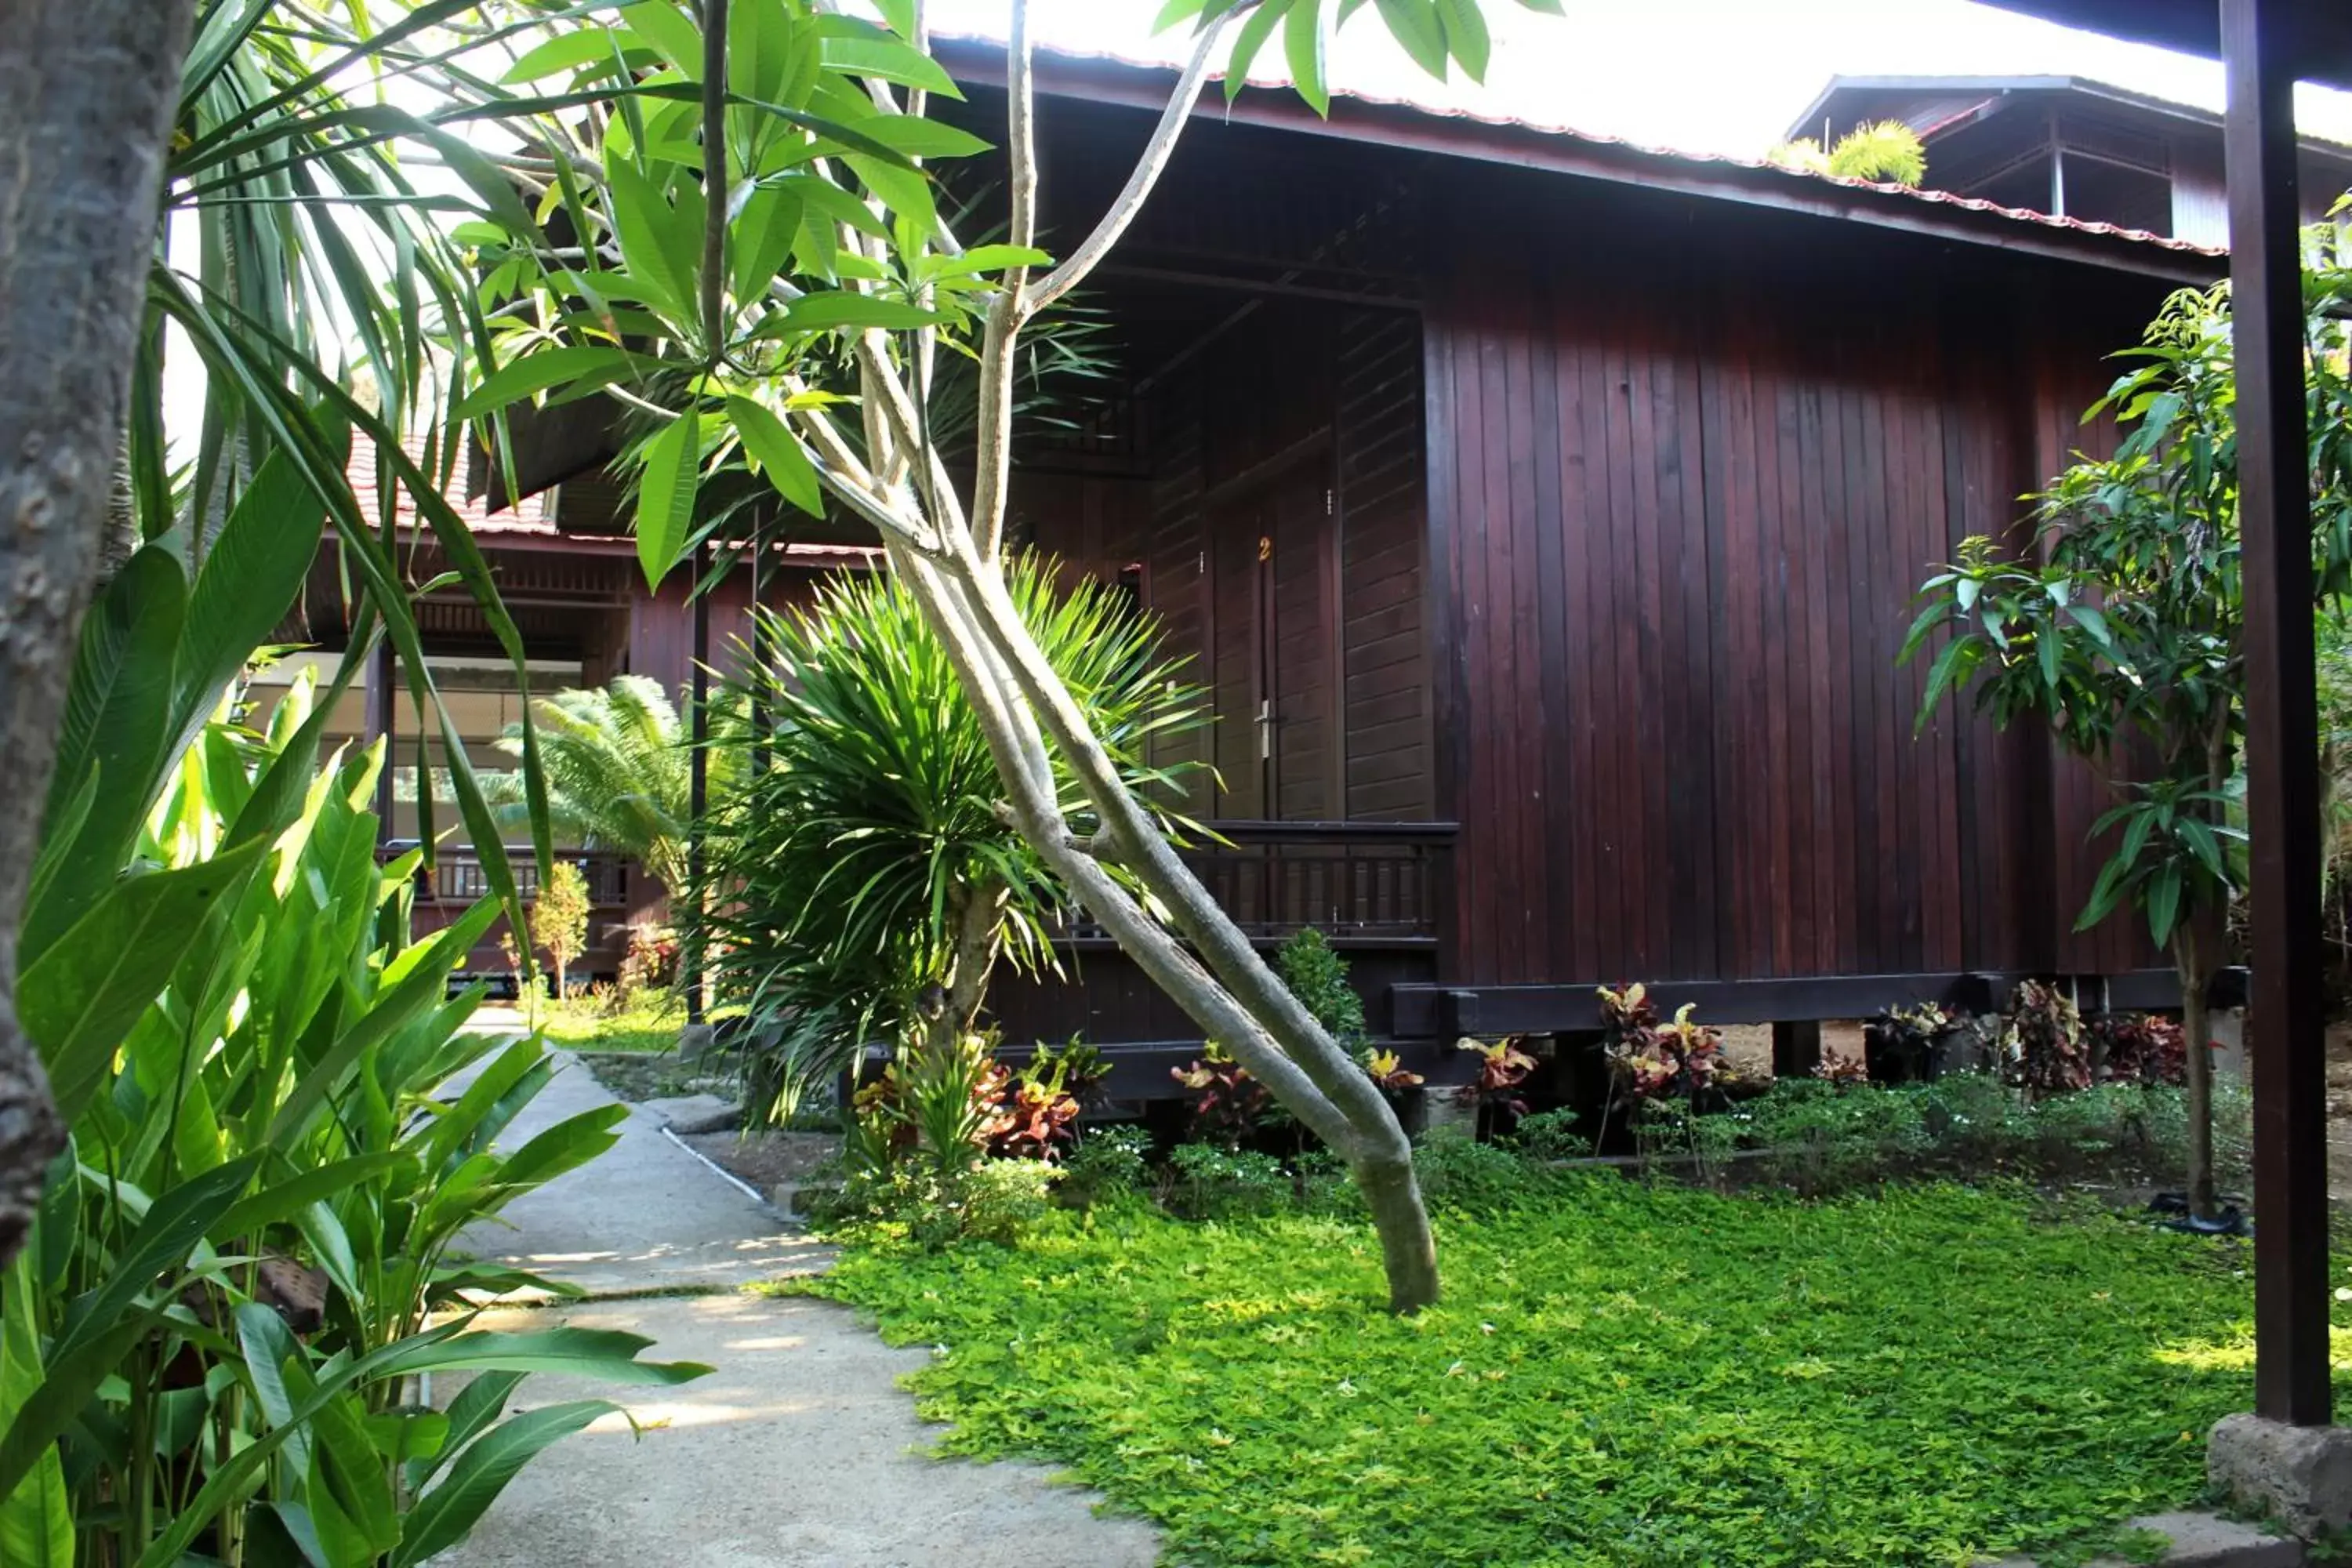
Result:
{"points": [[88, 88], [2196, 1029], [1408, 1248]]}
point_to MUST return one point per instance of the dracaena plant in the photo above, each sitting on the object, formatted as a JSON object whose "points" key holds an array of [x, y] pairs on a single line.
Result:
{"points": [[858, 881], [2118, 622]]}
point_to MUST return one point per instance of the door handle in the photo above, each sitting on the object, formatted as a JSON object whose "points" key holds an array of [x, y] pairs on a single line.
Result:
{"points": [[1265, 730]]}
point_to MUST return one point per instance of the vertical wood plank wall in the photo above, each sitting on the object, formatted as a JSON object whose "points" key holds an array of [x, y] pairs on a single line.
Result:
{"points": [[1688, 470], [1297, 374]]}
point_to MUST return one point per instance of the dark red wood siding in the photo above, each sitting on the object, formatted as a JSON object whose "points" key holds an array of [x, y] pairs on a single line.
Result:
{"points": [[1689, 466]]}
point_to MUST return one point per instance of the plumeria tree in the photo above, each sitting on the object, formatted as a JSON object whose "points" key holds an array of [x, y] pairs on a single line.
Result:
{"points": [[2123, 629], [763, 273]]}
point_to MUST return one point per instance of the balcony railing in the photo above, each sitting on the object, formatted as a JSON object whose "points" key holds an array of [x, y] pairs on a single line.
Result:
{"points": [[458, 876], [1361, 882]]}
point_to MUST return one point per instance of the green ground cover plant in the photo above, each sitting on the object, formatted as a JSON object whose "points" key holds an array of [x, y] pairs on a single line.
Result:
{"points": [[1629, 1374]]}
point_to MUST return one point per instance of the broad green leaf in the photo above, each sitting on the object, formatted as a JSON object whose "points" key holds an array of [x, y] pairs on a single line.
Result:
{"points": [[777, 454], [839, 307], [1304, 41], [408, 996], [569, 50], [117, 714], [249, 580], [36, 1527], [80, 998], [1254, 31], [1414, 24], [659, 252], [596, 363], [665, 495], [917, 136], [441, 1518], [884, 58], [1465, 35], [607, 1355], [680, 41], [2164, 904]]}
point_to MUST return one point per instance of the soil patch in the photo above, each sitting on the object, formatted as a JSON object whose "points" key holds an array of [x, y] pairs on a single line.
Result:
{"points": [[639, 1075], [767, 1160]]}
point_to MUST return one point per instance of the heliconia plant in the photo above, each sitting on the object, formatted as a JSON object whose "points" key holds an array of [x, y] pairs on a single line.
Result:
{"points": [[247, 1258]]}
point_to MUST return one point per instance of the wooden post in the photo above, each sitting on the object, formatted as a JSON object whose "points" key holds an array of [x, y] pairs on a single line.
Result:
{"points": [[2288, 1060], [698, 772], [382, 715], [1796, 1048]]}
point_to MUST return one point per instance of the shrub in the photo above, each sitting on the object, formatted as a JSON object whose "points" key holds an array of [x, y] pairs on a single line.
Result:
{"points": [[1208, 1182], [1458, 1172], [1551, 1135], [1318, 976], [1105, 1163]]}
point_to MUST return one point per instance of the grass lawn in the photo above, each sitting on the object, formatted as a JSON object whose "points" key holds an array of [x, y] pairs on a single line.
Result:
{"points": [[1620, 1375], [581, 1026]]}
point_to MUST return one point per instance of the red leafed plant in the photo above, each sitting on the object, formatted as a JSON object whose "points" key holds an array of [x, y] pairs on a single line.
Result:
{"points": [[2140, 1047], [1503, 1068], [1032, 1121], [2042, 1049], [1227, 1103], [1835, 1066], [1387, 1069], [1654, 1061]]}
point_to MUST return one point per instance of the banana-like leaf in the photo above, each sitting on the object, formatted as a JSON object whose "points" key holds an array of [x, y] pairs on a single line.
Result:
{"points": [[442, 1516], [117, 710], [80, 998]]}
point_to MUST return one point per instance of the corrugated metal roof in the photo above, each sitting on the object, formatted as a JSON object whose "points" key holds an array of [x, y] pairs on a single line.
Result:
{"points": [[1798, 178]]}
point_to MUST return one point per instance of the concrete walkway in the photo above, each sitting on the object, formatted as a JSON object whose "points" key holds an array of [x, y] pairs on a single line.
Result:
{"points": [[800, 1449]]}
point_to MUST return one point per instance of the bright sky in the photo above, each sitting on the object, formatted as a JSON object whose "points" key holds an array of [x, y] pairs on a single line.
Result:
{"points": [[1706, 76]]}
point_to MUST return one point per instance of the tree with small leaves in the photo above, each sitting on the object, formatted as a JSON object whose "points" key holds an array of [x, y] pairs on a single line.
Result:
{"points": [[559, 918], [2122, 628]]}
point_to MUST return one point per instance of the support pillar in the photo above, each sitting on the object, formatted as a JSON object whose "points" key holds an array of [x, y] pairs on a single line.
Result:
{"points": [[2284, 1458], [1796, 1048], [698, 776], [2283, 802]]}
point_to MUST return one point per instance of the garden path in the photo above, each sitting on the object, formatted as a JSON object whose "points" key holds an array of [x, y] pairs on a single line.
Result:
{"points": [[800, 1449]]}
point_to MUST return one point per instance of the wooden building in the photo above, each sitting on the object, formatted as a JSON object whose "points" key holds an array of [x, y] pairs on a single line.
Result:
{"points": [[2070, 147], [1544, 512]]}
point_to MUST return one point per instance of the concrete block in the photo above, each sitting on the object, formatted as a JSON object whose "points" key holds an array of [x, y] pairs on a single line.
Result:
{"points": [[2302, 1475], [1443, 1108], [2228, 1025], [2200, 1540], [691, 1113]]}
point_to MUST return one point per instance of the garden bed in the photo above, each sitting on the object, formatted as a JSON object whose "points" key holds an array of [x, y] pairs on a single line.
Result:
{"points": [[1621, 1374]]}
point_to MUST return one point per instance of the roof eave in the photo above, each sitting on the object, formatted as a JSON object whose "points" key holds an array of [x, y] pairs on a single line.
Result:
{"points": [[1404, 126]]}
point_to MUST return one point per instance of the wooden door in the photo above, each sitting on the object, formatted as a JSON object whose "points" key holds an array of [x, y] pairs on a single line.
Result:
{"points": [[1278, 736]]}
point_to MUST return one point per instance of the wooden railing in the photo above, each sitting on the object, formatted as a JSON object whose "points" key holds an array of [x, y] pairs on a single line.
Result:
{"points": [[459, 878], [1359, 883]]}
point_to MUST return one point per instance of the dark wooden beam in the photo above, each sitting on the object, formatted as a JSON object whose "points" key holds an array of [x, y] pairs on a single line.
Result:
{"points": [[1446, 1010], [2290, 1086]]}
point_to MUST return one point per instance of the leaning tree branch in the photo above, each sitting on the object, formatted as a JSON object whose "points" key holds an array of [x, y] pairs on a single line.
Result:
{"points": [[88, 88], [1074, 268]]}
